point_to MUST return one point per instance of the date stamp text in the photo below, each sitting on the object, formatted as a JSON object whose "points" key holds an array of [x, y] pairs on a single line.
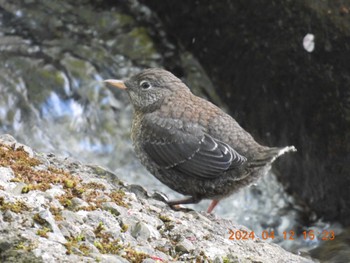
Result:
{"points": [[324, 235]]}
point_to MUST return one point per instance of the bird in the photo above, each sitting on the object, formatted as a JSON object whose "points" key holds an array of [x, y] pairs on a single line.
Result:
{"points": [[190, 144]]}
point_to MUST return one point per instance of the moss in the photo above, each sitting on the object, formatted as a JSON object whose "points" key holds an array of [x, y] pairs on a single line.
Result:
{"points": [[38, 219], [73, 242], [118, 198], [142, 39], [206, 237], [16, 207], [43, 232], [69, 247], [23, 167], [84, 249], [124, 227], [65, 200], [93, 185], [93, 197], [57, 213], [106, 244], [98, 245], [27, 188], [202, 257], [164, 218], [169, 227], [111, 247], [98, 230], [135, 256], [26, 246], [69, 183], [137, 44]]}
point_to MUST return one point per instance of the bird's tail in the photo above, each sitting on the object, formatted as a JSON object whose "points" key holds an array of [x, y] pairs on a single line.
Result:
{"points": [[269, 155]]}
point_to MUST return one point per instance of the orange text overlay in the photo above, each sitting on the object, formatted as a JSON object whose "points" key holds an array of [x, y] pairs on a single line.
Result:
{"points": [[286, 235]]}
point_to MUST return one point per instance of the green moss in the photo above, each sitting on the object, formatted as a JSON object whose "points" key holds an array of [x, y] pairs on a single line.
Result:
{"points": [[164, 218], [98, 245], [85, 249], [111, 247], [38, 219], [26, 246], [98, 230], [124, 227], [27, 188], [16, 207], [43, 232], [140, 34], [23, 167], [106, 244], [73, 242], [69, 183], [137, 44], [66, 201]]}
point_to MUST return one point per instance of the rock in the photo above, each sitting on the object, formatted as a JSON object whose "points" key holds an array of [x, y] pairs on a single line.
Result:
{"points": [[111, 207], [109, 258], [7, 139], [138, 229], [184, 246], [5, 178]]}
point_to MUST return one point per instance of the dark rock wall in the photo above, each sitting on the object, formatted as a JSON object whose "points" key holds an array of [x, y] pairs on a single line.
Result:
{"points": [[253, 52]]}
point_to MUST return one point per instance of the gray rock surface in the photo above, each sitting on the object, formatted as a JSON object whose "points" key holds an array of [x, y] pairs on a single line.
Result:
{"points": [[71, 212]]}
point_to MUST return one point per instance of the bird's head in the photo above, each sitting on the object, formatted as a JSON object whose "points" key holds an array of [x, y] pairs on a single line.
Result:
{"points": [[148, 89]]}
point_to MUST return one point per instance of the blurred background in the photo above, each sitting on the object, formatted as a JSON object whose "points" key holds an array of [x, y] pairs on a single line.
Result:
{"points": [[280, 68]]}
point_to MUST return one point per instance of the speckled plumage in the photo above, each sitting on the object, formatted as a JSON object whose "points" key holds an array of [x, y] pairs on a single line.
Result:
{"points": [[188, 143]]}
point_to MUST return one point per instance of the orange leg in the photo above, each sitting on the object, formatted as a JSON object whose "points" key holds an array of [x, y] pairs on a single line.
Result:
{"points": [[212, 205]]}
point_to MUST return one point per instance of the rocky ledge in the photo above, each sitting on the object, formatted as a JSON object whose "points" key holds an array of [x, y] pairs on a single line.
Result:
{"points": [[59, 210]]}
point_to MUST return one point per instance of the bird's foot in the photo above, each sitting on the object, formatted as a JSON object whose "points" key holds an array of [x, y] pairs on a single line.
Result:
{"points": [[174, 204], [181, 208], [160, 196]]}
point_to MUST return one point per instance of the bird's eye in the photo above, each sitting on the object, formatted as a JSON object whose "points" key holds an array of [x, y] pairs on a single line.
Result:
{"points": [[145, 84]]}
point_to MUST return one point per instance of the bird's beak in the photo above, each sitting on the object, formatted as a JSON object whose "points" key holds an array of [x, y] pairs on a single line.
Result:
{"points": [[116, 83]]}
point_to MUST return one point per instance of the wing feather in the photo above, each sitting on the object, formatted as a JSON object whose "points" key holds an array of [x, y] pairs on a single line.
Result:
{"points": [[198, 156]]}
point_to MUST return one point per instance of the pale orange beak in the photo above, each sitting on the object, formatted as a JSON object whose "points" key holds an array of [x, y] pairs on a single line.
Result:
{"points": [[116, 83]]}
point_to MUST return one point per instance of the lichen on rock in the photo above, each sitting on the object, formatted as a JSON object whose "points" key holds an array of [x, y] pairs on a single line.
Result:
{"points": [[76, 213]]}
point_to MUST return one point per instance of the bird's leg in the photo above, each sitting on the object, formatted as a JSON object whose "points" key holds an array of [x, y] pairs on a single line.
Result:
{"points": [[212, 205], [187, 200]]}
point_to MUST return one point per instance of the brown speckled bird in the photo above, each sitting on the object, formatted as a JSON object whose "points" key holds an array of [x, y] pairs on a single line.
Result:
{"points": [[188, 143]]}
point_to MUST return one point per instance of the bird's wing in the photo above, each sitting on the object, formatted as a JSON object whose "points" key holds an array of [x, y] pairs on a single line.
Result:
{"points": [[193, 153]]}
